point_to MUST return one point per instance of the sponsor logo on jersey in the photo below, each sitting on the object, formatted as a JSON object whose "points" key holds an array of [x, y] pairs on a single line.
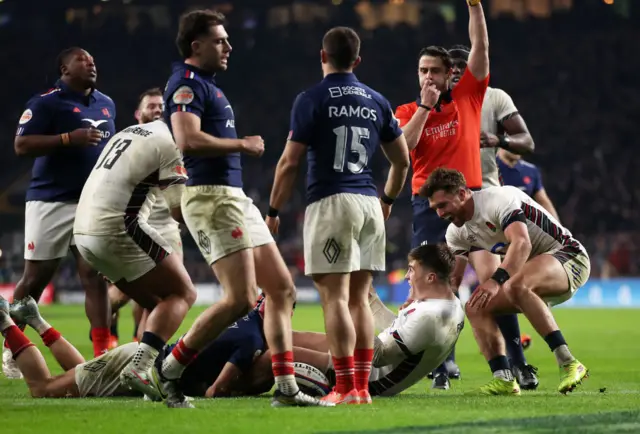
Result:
{"points": [[26, 116], [95, 124], [183, 95]]}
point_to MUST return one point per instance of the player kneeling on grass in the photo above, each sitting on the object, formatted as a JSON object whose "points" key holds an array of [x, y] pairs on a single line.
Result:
{"points": [[113, 235], [412, 343], [543, 266]]}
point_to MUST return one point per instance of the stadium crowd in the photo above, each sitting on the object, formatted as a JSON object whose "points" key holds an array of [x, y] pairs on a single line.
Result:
{"points": [[579, 108]]}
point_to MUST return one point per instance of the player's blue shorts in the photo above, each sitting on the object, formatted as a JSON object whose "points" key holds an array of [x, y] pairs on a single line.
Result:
{"points": [[427, 226]]}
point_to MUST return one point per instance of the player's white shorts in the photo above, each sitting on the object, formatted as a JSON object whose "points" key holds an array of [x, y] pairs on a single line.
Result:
{"points": [[124, 256], [223, 220], [48, 229], [344, 233], [577, 266], [171, 234], [101, 376]]}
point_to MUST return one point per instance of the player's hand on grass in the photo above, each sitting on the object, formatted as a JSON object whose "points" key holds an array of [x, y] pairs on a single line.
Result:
{"points": [[429, 94], [273, 223], [488, 140], [483, 295], [85, 137], [386, 209], [253, 145]]}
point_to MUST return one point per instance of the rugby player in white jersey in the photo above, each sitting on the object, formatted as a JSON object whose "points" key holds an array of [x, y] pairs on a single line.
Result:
{"points": [[543, 266], [114, 236], [150, 106], [416, 340], [503, 128]]}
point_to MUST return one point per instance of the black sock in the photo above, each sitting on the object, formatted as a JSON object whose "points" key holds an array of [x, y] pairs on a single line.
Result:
{"points": [[452, 356], [440, 370], [555, 339], [510, 329], [153, 340], [499, 363], [135, 331]]}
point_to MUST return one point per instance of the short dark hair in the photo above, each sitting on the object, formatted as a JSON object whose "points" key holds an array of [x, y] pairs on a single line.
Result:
{"points": [[436, 257], [459, 52], [65, 56], [154, 91], [447, 180], [194, 25], [342, 46], [435, 51]]}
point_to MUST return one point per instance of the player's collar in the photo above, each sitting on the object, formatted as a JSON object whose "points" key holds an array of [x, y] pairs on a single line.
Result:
{"points": [[444, 98], [201, 72], [65, 89], [341, 76]]}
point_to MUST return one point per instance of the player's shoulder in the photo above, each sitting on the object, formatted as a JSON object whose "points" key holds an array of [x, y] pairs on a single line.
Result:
{"points": [[100, 96], [454, 232], [496, 92], [184, 76], [527, 165], [44, 98]]}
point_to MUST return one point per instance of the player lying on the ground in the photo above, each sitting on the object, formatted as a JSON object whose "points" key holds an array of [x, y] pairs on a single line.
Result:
{"points": [[215, 372], [543, 265], [411, 344], [418, 339]]}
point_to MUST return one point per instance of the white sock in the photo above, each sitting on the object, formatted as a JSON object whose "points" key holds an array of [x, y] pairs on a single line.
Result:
{"points": [[503, 374], [5, 322], [563, 355], [172, 369], [144, 357], [287, 384], [39, 324]]}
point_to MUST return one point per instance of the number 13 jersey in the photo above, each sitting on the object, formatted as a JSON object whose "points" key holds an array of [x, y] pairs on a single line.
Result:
{"points": [[342, 122], [134, 166]]}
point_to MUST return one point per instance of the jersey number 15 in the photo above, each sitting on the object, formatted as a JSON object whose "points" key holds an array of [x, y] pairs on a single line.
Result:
{"points": [[357, 135], [114, 152]]}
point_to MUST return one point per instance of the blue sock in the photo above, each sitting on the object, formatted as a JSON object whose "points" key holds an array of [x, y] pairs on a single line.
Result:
{"points": [[510, 329]]}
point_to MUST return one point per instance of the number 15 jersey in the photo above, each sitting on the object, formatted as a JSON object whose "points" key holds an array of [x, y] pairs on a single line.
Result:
{"points": [[342, 122], [134, 165]]}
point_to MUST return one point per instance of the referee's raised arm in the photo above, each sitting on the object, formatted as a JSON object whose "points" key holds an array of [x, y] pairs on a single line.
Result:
{"points": [[479, 56]]}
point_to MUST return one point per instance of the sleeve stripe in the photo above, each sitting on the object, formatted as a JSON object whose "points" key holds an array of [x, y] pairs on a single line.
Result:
{"points": [[400, 343], [515, 216], [172, 181]]}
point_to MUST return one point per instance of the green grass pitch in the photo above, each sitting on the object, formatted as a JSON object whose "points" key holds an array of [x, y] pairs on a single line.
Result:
{"points": [[607, 341]]}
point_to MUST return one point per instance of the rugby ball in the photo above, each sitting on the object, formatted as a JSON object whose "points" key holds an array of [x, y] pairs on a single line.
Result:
{"points": [[311, 380]]}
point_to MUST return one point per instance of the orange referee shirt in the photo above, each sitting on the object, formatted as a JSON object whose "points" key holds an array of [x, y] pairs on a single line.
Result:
{"points": [[451, 136]]}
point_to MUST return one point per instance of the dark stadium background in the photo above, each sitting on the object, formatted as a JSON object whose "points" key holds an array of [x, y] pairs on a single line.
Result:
{"points": [[570, 66]]}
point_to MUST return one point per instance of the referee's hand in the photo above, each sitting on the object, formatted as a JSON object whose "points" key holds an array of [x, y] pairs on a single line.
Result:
{"points": [[429, 94]]}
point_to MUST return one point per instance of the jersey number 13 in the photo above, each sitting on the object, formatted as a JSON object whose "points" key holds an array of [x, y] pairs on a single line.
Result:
{"points": [[114, 152], [357, 135]]}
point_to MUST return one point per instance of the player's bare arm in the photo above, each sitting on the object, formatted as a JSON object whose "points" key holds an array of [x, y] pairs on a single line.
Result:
{"points": [[397, 153], [543, 199], [458, 271], [224, 383], [429, 95], [479, 56], [193, 141], [286, 171], [517, 139], [37, 145], [517, 254]]}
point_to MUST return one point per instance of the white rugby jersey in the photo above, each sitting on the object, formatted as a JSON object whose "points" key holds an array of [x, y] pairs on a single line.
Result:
{"points": [[132, 169], [497, 105], [426, 332], [495, 208]]}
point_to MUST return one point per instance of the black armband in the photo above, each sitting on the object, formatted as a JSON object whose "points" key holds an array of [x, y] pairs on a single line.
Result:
{"points": [[504, 142], [426, 107], [501, 275], [386, 199], [273, 213]]}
